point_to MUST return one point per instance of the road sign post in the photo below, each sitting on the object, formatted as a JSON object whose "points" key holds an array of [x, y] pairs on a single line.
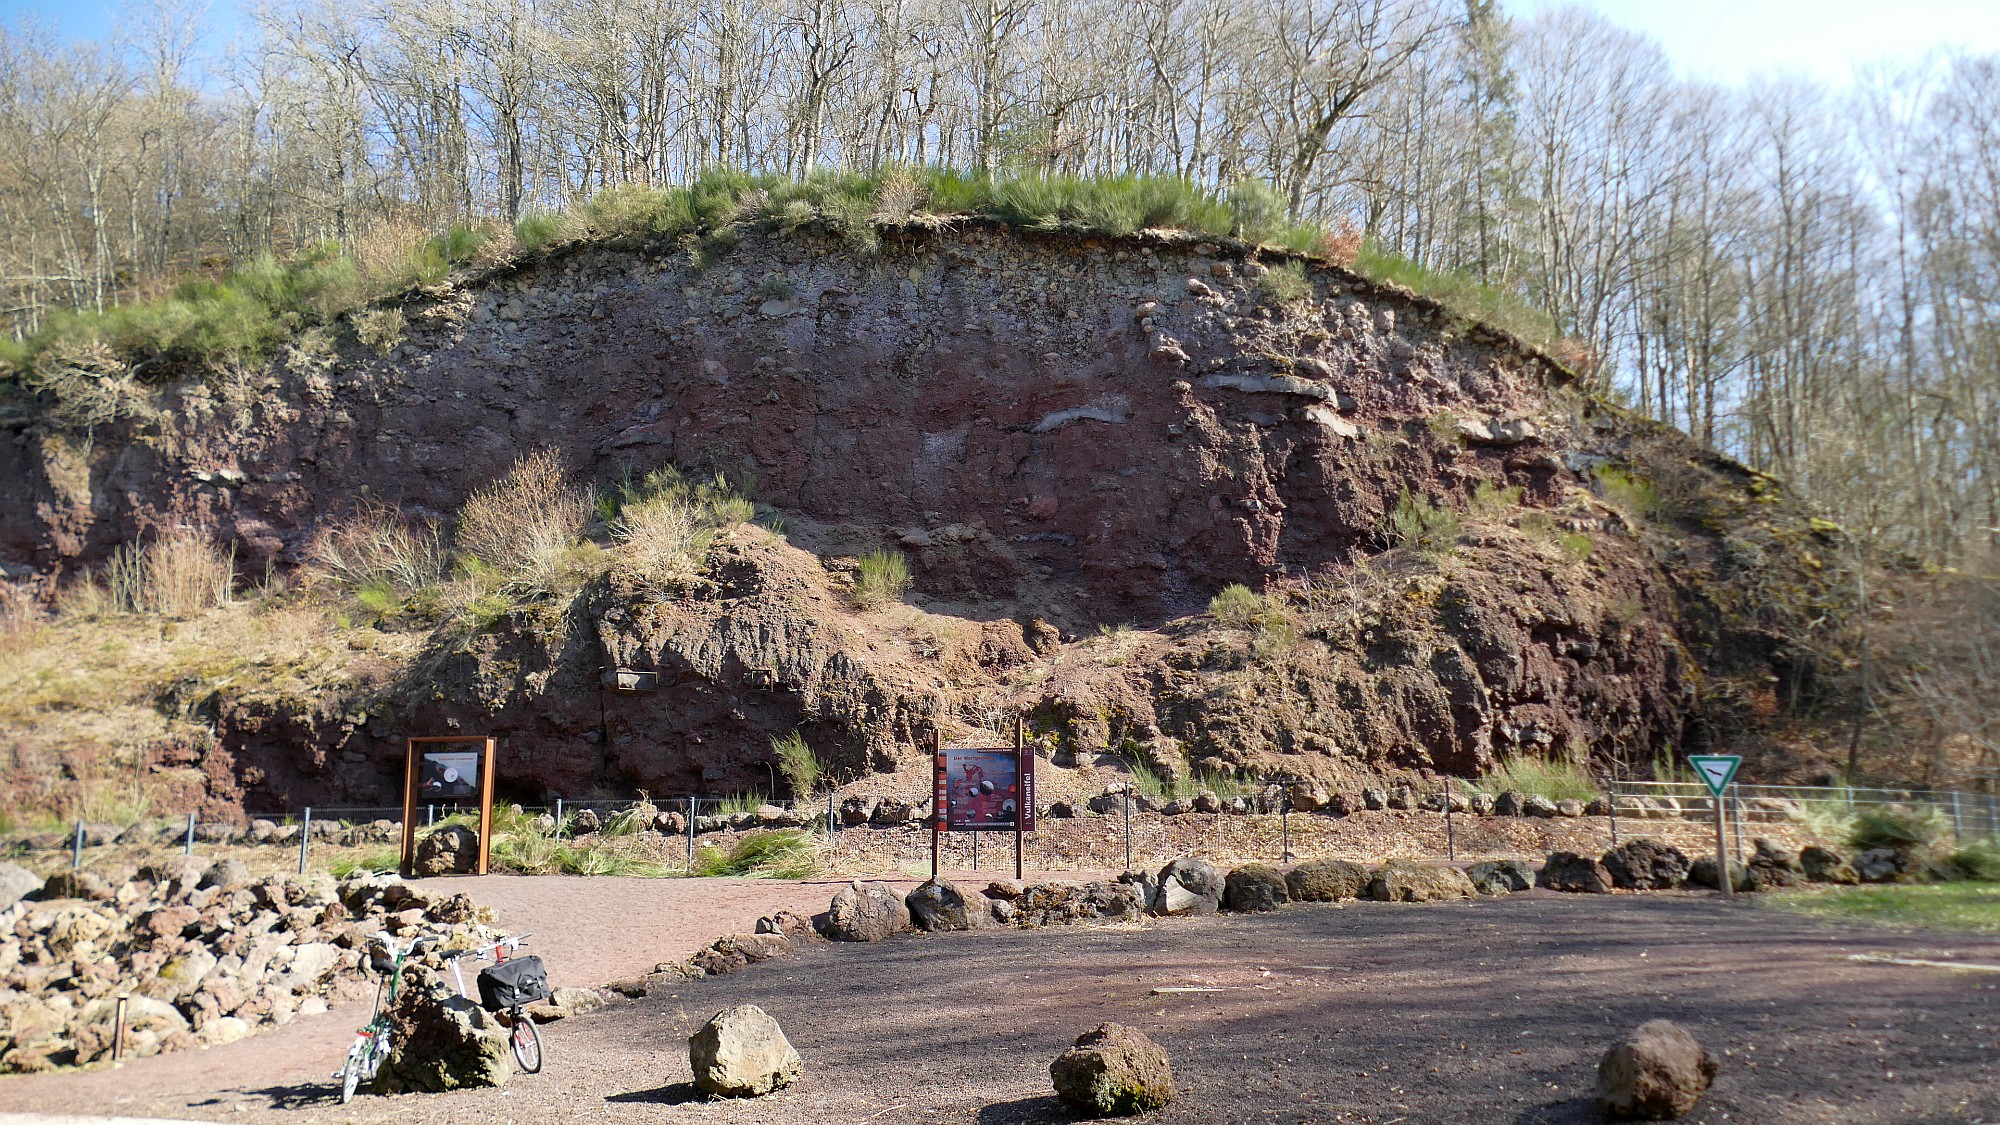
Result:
{"points": [[1718, 772]]}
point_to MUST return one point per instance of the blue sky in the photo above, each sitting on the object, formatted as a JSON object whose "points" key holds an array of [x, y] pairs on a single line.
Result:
{"points": [[1721, 40]]}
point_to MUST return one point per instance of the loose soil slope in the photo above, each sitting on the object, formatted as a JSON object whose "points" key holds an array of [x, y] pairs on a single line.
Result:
{"points": [[1077, 442]]}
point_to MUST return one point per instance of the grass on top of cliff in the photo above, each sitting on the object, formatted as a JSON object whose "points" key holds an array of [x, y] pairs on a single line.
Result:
{"points": [[87, 366]]}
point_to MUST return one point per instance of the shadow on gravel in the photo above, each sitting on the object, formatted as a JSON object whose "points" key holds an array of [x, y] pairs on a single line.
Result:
{"points": [[286, 1097], [1026, 1111], [677, 1093], [1575, 1111]]}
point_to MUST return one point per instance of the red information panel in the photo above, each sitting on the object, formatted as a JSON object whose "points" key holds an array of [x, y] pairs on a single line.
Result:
{"points": [[981, 789]]}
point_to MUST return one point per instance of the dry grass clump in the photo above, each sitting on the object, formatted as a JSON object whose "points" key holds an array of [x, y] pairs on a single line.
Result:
{"points": [[180, 574], [523, 524], [666, 520]]}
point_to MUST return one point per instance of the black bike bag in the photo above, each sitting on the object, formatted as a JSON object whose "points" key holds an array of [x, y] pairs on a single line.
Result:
{"points": [[513, 983]]}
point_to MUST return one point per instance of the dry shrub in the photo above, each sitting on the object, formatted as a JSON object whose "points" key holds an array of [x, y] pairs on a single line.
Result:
{"points": [[1341, 243], [666, 536], [379, 544], [666, 520], [523, 523], [20, 610], [90, 384], [180, 574]]}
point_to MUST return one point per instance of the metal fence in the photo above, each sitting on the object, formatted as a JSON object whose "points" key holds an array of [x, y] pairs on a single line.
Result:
{"points": [[1970, 814]]}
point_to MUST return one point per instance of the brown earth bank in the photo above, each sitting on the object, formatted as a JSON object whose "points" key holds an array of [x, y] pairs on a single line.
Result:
{"points": [[1489, 1011], [1075, 443]]}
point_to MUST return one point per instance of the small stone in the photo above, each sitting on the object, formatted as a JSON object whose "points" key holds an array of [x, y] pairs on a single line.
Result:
{"points": [[1113, 1071], [1254, 888], [17, 883], [1510, 803], [221, 1031], [1483, 804], [1374, 799], [741, 1052], [1658, 1073], [226, 873], [1570, 808], [1537, 805]]}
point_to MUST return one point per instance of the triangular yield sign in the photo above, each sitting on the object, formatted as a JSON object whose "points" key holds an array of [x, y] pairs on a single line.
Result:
{"points": [[1716, 770]]}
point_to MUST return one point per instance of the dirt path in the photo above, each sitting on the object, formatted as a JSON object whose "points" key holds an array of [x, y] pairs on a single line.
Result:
{"points": [[1491, 1011]]}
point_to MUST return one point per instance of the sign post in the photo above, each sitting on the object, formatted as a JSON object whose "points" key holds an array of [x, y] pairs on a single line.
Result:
{"points": [[984, 789], [451, 767], [1718, 772]]}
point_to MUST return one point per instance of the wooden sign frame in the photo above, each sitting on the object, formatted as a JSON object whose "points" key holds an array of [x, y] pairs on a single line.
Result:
{"points": [[411, 759], [1024, 795]]}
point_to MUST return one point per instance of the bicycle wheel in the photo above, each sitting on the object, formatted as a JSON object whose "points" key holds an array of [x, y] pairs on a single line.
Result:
{"points": [[527, 1042], [350, 1075]]}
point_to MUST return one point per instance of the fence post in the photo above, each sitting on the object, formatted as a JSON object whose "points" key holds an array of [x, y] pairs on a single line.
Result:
{"points": [[430, 816], [1125, 804], [1736, 823], [188, 848], [694, 806], [76, 848], [1450, 832], [832, 823], [1285, 824], [1957, 827], [305, 838], [1611, 796]]}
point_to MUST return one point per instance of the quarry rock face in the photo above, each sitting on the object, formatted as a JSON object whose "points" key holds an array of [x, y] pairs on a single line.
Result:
{"points": [[1058, 433]]}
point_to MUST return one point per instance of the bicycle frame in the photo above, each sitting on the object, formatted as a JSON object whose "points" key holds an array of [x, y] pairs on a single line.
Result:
{"points": [[371, 1043]]}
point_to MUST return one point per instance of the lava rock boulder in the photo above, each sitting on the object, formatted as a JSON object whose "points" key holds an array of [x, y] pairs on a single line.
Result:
{"points": [[741, 1052], [1658, 1073], [1113, 1071]]}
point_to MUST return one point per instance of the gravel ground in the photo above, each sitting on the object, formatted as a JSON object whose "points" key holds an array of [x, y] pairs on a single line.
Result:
{"points": [[1491, 1011]]}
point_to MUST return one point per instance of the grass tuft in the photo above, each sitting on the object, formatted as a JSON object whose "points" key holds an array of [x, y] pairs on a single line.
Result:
{"points": [[799, 765], [1554, 778], [1418, 525], [881, 578], [784, 854]]}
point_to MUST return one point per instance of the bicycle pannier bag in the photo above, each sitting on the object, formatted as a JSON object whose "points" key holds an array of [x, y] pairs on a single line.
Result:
{"points": [[512, 983]]}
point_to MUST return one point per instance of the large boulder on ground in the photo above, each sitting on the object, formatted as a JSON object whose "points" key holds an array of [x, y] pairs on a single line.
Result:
{"points": [[1062, 904], [1113, 1071], [937, 905], [1775, 866], [443, 1041], [1189, 886], [866, 912], [1509, 803], [741, 1052], [1501, 876], [1647, 865], [731, 952], [1254, 887], [1825, 865], [1878, 865], [1658, 1073], [1702, 873], [1145, 884], [451, 850], [792, 926], [16, 883], [1573, 873], [1407, 880], [1537, 805], [1482, 804], [1326, 880]]}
